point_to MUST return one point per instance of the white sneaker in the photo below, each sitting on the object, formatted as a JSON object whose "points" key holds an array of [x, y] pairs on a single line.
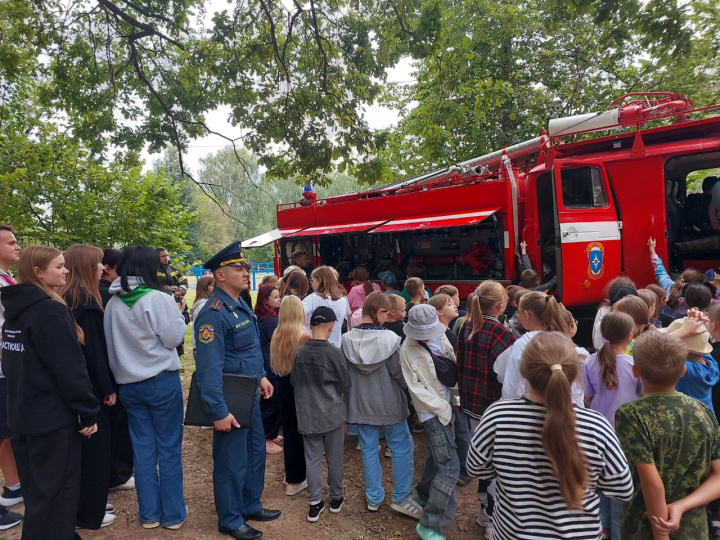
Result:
{"points": [[130, 484], [109, 508], [109, 519], [409, 507], [176, 526], [294, 489]]}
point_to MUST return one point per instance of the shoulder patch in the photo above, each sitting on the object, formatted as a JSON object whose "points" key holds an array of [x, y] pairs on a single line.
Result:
{"points": [[217, 304], [206, 333]]}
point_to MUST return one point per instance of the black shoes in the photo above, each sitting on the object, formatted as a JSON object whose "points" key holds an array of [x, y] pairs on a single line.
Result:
{"points": [[336, 505], [11, 497], [262, 515], [315, 511], [8, 519], [246, 532]]}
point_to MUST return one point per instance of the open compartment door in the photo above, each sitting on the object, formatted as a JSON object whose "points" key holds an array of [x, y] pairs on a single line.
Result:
{"points": [[270, 236], [435, 221], [343, 228], [589, 231]]}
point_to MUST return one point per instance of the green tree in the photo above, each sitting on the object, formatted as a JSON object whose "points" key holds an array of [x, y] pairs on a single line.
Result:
{"points": [[296, 76], [243, 201], [497, 70], [55, 193]]}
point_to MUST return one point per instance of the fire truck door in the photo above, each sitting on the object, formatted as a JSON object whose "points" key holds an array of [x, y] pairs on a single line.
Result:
{"points": [[589, 231]]}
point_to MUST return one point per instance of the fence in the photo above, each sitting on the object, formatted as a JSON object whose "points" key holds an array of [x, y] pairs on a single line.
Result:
{"points": [[257, 272]]}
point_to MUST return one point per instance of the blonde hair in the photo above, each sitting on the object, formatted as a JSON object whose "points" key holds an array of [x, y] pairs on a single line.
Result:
{"points": [[439, 301], [286, 338], [559, 439], [649, 298], [450, 290], [638, 310], [546, 309], [40, 257], [82, 261], [328, 284], [660, 294], [660, 358], [396, 301], [488, 294]]}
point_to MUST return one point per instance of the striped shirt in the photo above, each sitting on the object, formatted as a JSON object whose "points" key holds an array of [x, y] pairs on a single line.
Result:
{"points": [[507, 444]]}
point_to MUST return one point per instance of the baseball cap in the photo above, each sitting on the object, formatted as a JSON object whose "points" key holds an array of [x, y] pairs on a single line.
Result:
{"points": [[321, 315], [620, 293]]}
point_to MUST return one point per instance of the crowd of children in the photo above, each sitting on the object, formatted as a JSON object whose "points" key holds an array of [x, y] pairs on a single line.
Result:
{"points": [[620, 443]]}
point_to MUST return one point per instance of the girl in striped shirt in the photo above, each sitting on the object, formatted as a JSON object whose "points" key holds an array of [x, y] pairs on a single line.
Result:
{"points": [[550, 458]]}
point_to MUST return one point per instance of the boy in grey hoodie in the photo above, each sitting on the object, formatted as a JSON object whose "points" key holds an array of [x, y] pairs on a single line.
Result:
{"points": [[320, 377], [376, 399]]}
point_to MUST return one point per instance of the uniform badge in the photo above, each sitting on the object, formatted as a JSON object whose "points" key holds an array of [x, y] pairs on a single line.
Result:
{"points": [[235, 315], [206, 333], [596, 263]]}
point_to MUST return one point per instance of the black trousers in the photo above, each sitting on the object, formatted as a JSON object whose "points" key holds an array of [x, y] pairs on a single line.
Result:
{"points": [[49, 469], [271, 415], [121, 446], [95, 475], [294, 449]]}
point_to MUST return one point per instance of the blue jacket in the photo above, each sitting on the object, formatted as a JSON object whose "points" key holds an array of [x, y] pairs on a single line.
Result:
{"points": [[267, 326], [699, 380], [228, 341]]}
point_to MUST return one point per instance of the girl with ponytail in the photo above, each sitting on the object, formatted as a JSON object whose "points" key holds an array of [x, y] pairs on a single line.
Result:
{"points": [[537, 312], [361, 289], [550, 458], [481, 340], [675, 306], [608, 382]]}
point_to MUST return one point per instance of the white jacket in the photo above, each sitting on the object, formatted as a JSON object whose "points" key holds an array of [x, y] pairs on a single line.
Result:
{"points": [[428, 393]]}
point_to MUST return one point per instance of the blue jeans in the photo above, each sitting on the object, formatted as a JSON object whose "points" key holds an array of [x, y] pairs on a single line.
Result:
{"points": [[436, 488], [610, 515], [400, 443], [462, 439], [155, 418]]}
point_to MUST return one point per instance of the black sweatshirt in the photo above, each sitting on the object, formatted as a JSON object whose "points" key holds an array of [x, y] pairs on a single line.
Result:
{"points": [[89, 315], [48, 383]]}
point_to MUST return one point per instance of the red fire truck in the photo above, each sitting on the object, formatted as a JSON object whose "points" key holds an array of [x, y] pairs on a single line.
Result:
{"points": [[585, 196]]}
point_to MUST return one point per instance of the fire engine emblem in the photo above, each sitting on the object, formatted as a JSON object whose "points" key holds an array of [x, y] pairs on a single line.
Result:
{"points": [[206, 333], [596, 264]]}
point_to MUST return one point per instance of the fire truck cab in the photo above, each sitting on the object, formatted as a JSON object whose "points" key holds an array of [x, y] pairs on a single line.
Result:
{"points": [[585, 196]]}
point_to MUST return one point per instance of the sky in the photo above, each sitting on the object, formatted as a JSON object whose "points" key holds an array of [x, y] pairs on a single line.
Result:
{"points": [[377, 117]]}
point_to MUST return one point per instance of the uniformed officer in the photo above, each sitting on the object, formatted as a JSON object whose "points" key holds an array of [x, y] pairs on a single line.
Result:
{"points": [[228, 341], [171, 277], [174, 282]]}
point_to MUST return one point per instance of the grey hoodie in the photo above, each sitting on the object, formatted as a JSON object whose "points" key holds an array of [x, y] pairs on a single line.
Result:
{"points": [[142, 330], [376, 396]]}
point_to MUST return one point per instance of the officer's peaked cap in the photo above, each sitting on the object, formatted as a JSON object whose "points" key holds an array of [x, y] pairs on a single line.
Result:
{"points": [[231, 255]]}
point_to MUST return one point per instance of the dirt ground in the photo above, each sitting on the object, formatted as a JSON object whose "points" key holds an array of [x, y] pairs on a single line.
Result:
{"points": [[353, 523]]}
